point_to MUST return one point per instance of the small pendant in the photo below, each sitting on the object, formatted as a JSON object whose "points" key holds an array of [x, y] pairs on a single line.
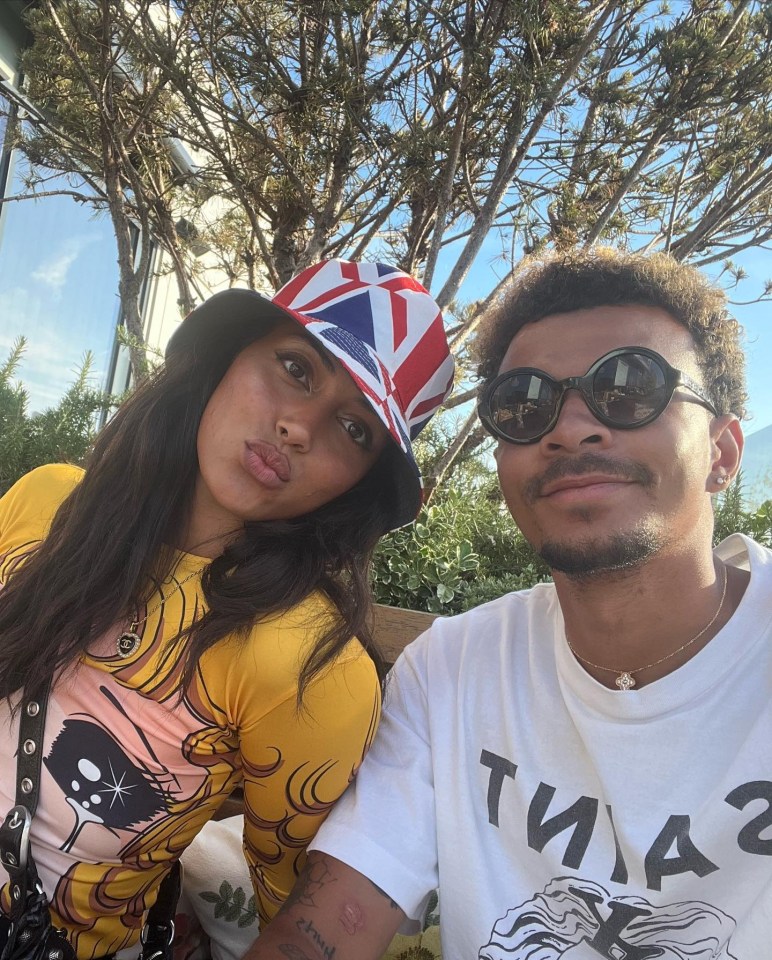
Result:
{"points": [[624, 681], [127, 644]]}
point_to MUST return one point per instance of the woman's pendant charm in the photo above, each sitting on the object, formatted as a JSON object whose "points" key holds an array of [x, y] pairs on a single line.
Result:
{"points": [[624, 681], [128, 643]]}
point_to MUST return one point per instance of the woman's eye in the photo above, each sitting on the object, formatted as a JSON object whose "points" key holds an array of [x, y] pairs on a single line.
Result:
{"points": [[296, 369], [357, 431]]}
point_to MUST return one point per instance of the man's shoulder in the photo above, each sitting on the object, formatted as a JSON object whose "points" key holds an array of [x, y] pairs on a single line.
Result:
{"points": [[740, 550], [505, 620]]}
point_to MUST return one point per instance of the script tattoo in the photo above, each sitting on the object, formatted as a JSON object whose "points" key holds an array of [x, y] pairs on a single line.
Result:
{"points": [[306, 926], [315, 875]]}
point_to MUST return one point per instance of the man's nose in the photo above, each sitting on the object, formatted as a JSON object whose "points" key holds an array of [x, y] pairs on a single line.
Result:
{"points": [[576, 426]]}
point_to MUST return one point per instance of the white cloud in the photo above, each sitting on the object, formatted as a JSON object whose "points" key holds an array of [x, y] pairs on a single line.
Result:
{"points": [[49, 364], [53, 271]]}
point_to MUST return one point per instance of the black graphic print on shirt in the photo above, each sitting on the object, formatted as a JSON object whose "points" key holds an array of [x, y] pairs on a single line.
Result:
{"points": [[574, 919]]}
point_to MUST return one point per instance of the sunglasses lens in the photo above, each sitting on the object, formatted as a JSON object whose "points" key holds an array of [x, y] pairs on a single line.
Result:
{"points": [[630, 388], [522, 406]]}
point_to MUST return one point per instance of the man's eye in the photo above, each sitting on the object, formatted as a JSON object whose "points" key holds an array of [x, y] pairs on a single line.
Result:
{"points": [[357, 431]]}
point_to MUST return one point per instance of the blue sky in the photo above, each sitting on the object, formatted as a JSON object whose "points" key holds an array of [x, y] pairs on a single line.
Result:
{"points": [[757, 322], [58, 288]]}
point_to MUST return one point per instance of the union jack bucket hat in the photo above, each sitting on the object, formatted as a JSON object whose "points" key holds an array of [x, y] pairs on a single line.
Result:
{"points": [[378, 322]]}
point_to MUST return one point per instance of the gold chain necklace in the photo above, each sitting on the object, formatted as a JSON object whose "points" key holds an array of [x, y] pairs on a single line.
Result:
{"points": [[625, 679], [129, 641]]}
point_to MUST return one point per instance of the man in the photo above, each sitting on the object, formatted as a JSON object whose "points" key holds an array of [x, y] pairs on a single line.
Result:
{"points": [[585, 768]]}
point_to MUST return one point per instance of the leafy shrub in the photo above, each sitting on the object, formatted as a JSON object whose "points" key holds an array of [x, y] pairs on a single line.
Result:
{"points": [[463, 549], [731, 517], [60, 434], [423, 567]]}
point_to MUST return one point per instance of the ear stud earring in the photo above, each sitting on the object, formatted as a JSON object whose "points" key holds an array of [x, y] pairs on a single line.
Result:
{"points": [[721, 480]]}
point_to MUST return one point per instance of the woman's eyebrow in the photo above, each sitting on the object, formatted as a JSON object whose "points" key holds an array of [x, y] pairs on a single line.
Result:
{"points": [[333, 366], [324, 354]]}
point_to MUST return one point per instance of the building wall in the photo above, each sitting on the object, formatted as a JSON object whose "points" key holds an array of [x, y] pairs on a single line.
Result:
{"points": [[12, 36]]}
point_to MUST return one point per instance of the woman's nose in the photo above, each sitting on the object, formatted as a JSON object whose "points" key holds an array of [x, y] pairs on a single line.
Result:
{"points": [[298, 426]]}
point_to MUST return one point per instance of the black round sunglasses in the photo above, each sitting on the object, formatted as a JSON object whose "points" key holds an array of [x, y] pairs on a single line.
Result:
{"points": [[626, 388]]}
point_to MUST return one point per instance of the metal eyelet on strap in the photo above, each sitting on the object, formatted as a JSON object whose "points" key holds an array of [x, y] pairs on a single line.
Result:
{"points": [[27, 785], [153, 930], [33, 708], [29, 747]]}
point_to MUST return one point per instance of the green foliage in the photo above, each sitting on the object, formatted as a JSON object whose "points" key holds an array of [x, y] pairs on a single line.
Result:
{"points": [[395, 128], [424, 566], [463, 550], [432, 916], [731, 517], [61, 433]]}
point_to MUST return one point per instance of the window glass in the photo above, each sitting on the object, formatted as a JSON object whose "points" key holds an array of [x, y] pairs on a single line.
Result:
{"points": [[4, 158], [58, 288]]}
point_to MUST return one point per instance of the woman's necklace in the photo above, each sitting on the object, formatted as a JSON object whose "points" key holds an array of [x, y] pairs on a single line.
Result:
{"points": [[129, 641], [625, 679]]}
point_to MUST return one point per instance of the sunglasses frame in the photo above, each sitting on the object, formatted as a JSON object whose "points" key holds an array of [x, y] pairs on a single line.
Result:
{"points": [[673, 378]]}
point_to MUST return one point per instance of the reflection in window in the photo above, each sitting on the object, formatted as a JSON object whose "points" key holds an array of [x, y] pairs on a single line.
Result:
{"points": [[58, 288]]}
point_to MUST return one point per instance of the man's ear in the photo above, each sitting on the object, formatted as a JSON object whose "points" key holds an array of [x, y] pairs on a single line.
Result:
{"points": [[727, 449]]}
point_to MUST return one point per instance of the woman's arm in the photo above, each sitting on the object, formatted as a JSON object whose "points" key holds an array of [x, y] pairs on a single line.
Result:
{"points": [[296, 762], [333, 912]]}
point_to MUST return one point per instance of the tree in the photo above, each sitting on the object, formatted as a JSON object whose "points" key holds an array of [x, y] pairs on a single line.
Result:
{"points": [[60, 434], [418, 130]]}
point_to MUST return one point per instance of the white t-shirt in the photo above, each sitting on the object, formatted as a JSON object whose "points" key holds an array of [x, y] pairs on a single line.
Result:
{"points": [[561, 819]]}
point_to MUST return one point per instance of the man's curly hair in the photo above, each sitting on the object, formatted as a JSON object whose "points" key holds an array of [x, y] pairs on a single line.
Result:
{"points": [[571, 280]]}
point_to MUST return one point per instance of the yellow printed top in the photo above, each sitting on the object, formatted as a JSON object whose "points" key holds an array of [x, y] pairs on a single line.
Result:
{"points": [[131, 773]]}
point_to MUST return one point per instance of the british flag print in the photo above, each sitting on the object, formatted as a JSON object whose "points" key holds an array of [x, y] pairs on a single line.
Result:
{"points": [[386, 330]]}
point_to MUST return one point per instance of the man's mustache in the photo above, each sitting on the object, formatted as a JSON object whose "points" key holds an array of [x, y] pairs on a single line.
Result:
{"points": [[630, 470]]}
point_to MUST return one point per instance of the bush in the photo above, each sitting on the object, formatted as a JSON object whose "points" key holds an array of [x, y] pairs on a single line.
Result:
{"points": [[60, 434], [731, 517], [463, 549]]}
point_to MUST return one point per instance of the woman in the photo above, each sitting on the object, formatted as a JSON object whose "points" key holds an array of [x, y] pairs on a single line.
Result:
{"points": [[194, 595]]}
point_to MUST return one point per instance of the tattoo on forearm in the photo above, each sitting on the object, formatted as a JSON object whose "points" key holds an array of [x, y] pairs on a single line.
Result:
{"points": [[392, 904], [307, 927], [293, 952], [352, 918], [315, 876]]}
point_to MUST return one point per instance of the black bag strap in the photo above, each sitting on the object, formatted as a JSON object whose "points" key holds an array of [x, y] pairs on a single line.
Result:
{"points": [[15, 832], [29, 756], [158, 931]]}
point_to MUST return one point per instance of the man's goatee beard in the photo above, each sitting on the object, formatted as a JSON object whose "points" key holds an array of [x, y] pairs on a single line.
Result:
{"points": [[594, 557]]}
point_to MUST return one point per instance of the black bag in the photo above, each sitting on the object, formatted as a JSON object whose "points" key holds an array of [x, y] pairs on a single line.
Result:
{"points": [[30, 934]]}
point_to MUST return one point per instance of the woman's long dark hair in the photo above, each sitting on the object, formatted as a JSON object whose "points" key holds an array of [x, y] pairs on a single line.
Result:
{"points": [[110, 541]]}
